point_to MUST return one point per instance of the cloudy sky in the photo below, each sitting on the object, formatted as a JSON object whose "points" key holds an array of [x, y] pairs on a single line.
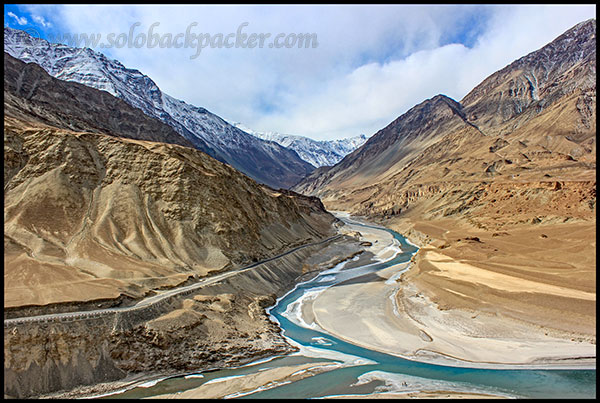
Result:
{"points": [[369, 64]]}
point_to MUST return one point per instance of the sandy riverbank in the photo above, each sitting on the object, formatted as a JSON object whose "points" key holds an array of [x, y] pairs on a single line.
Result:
{"points": [[237, 386], [402, 317]]}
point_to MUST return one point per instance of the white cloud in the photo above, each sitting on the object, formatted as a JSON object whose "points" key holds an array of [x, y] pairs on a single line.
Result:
{"points": [[19, 20], [372, 64], [42, 21]]}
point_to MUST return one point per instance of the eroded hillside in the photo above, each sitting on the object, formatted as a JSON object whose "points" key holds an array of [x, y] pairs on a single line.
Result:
{"points": [[97, 205]]}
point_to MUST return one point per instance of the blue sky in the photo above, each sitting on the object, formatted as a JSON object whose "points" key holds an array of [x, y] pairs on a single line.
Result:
{"points": [[372, 63]]}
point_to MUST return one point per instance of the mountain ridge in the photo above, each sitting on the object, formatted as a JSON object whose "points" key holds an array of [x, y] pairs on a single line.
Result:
{"points": [[316, 152], [509, 107], [266, 162], [31, 94], [388, 147]]}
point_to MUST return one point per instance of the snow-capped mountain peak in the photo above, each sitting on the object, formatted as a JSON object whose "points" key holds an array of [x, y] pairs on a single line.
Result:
{"points": [[264, 161], [316, 152]]}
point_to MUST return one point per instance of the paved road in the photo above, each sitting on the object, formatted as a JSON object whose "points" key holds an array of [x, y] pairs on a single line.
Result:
{"points": [[155, 299]]}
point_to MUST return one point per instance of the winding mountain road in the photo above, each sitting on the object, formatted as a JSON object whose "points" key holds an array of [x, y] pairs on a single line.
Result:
{"points": [[155, 299]]}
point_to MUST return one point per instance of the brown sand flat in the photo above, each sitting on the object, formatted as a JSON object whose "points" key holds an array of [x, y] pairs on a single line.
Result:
{"points": [[411, 326], [457, 308], [542, 275]]}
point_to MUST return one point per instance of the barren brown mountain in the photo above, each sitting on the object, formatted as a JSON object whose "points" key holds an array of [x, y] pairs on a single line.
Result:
{"points": [[103, 206], [94, 210], [503, 181]]}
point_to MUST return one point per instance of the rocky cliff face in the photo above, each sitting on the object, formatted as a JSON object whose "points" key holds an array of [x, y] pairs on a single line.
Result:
{"points": [[265, 161], [532, 122]]}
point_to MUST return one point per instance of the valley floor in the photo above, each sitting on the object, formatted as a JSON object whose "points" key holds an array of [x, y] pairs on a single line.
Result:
{"points": [[495, 300], [520, 298]]}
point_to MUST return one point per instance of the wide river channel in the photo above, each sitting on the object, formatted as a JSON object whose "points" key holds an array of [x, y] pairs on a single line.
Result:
{"points": [[363, 371]]}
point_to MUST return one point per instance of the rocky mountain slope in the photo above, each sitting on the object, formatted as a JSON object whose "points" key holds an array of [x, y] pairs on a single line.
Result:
{"points": [[31, 94], [122, 217], [528, 86], [266, 162], [317, 153], [89, 200], [531, 122], [391, 147]]}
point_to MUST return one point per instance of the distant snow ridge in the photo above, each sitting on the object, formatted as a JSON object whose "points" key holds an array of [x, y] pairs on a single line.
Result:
{"points": [[316, 152]]}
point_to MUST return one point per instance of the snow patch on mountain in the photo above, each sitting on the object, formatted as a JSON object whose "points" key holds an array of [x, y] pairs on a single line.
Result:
{"points": [[316, 152]]}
